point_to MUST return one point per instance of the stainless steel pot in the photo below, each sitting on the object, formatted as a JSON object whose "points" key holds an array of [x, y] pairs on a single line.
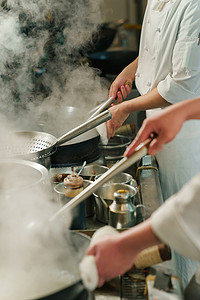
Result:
{"points": [[121, 178], [81, 211], [89, 172], [104, 197], [116, 146]]}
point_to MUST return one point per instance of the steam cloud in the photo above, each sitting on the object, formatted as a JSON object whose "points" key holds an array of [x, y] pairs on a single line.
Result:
{"points": [[40, 71], [40, 44]]}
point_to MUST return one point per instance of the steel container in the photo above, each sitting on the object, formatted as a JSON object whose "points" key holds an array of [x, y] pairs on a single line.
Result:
{"points": [[121, 178], [81, 211], [104, 197]]}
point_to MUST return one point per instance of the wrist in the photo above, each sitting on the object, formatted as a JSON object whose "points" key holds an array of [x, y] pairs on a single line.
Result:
{"points": [[139, 237]]}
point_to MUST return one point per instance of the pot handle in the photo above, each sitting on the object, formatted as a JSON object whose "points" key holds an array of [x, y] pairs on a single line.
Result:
{"points": [[104, 202], [134, 184], [142, 212]]}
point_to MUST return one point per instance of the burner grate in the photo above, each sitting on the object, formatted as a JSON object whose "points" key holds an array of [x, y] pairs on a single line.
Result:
{"points": [[133, 287]]}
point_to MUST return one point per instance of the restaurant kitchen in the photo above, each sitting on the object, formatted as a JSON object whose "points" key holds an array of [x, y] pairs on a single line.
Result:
{"points": [[51, 85]]}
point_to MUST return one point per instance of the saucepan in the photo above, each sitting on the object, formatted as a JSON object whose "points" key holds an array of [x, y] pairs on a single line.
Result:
{"points": [[121, 178], [81, 211], [39, 146]]}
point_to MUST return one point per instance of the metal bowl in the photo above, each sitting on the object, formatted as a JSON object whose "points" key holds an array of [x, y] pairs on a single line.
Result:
{"points": [[18, 175]]}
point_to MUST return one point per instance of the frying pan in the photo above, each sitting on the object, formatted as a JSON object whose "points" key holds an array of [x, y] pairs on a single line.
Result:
{"points": [[36, 145], [112, 62]]}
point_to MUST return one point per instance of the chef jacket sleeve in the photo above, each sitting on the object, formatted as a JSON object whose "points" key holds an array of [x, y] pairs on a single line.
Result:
{"points": [[184, 81], [177, 221]]}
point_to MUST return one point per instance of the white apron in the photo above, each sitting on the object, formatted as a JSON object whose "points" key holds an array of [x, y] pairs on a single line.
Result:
{"points": [[169, 59]]}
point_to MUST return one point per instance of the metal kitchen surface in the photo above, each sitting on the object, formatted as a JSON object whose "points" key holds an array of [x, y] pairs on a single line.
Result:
{"points": [[127, 287]]}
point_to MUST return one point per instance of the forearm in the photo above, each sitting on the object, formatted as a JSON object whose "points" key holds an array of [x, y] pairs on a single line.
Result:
{"points": [[139, 237], [148, 101], [190, 109], [132, 67]]}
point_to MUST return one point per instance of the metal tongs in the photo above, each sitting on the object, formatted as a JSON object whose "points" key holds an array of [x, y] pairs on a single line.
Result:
{"points": [[101, 108], [118, 167]]}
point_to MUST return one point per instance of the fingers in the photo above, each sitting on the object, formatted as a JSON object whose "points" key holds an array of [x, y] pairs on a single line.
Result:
{"points": [[131, 148], [110, 130], [91, 251], [140, 138], [154, 146], [120, 92], [101, 282]]}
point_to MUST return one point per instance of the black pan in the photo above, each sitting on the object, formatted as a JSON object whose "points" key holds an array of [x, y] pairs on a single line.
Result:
{"points": [[112, 62]]}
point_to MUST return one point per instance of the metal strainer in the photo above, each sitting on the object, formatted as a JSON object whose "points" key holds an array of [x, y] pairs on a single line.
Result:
{"points": [[34, 144]]}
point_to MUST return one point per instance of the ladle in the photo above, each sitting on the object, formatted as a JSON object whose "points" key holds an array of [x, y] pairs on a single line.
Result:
{"points": [[118, 167], [81, 169]]}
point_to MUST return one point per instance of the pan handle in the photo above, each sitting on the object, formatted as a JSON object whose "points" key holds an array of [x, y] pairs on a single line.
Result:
{"points": [[118, 167], [91, 123]]}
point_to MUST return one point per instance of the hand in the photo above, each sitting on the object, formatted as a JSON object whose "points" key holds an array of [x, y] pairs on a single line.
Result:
{"points": [[112, 258], [122, 85], [116, 254], [119, 115], [164, 126]]}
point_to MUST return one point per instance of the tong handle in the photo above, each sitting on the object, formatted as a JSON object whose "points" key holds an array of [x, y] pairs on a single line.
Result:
{"points": [[105, 105], [91, 123]]}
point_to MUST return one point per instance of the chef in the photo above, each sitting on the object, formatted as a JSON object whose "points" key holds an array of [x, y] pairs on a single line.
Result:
{"points": [[167, 71], [175, 223]]}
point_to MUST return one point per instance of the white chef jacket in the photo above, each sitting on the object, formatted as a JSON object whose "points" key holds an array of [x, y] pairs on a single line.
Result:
{"points": [[169, 59], [177, 221]]}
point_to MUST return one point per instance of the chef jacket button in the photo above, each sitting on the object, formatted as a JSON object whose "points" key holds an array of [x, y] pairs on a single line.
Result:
{"points": [[187, 72], [149, 84], [146, 49], [137, 75], [153, 58]]}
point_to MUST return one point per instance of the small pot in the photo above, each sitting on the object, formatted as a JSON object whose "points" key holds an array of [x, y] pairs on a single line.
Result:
{"points": [[81, 211], [104, 197], [115, 147], [121, 178]]}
